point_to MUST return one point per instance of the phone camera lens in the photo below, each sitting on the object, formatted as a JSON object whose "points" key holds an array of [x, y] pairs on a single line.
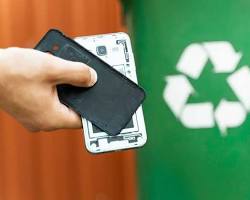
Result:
{"points": [[101, 50]]}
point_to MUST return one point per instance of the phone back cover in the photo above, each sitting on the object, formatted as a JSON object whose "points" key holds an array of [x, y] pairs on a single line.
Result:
{"points": [[111, 102]]}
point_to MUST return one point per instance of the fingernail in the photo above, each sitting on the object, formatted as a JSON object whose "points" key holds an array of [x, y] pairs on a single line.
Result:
{"points": [[93, 76]]}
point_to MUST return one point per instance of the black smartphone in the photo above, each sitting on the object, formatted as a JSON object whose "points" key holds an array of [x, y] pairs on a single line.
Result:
{"points": [[111, 102]]}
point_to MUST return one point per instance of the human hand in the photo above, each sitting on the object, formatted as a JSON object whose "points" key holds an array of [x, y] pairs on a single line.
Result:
{"points": [[28, 80]]}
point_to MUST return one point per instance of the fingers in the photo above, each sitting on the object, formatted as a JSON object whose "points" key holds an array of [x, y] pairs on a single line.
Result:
{"points": [[63, 118], [68, 118], [68, 72]]}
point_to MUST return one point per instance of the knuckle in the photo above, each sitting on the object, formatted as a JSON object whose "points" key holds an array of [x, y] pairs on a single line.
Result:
{"points": [[46, 62], [50, 73], [48, 69], [13, 49], [13, 53]]}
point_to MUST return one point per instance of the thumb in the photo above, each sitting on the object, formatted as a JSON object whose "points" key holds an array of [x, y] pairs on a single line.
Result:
{"points": [[73, 73]]}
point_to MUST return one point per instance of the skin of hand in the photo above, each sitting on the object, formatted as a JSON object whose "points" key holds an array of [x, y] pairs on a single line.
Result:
{"points": [[28, 80]]}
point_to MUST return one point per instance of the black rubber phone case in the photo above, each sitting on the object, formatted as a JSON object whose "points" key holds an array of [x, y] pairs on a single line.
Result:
{"points": [[111, 102]]}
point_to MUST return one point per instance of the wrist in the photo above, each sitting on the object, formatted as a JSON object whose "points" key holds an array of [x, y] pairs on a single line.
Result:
{"points": [[1, 60], [1, 53], [3, 67], [1, 74]]}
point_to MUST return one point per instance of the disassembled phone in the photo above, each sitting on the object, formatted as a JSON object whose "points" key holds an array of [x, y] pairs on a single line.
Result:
{"points": [[114, 49], [111, 102]]}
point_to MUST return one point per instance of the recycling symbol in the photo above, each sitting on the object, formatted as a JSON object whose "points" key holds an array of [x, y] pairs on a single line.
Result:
{"points": [[201, 115]]}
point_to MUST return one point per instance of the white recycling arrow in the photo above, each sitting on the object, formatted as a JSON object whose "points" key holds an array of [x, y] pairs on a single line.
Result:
{"points": [[239, 81], [222, 55], [192, 60], [176, 92], [198, 115], [229, 114]]}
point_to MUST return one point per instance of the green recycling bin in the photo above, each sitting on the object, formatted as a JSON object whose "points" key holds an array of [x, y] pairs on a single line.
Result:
{"points": [[193, 59]]}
